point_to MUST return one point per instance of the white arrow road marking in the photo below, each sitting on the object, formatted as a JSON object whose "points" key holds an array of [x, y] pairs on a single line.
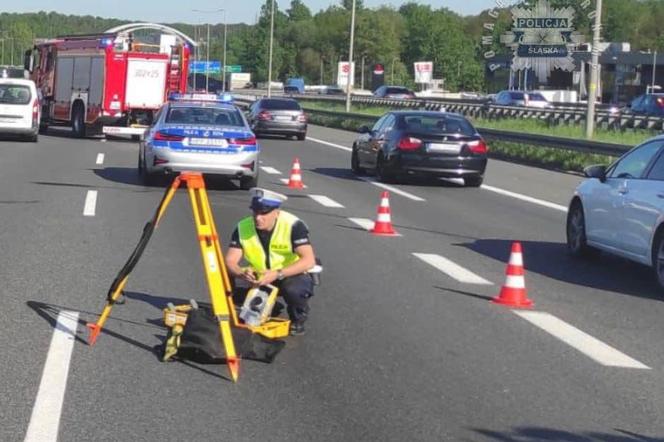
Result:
{"points": [[452, 269], [586, 344], [45, 418], [100, 158]]}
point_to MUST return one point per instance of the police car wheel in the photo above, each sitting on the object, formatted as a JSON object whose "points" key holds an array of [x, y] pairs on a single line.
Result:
{"points": [[247, 182]]}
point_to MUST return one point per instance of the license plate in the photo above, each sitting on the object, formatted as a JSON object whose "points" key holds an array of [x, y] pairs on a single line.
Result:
{"points": [[283, 118], [443, 147], [220, 142]]}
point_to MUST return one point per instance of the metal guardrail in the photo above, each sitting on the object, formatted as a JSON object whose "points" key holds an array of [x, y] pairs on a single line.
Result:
{"points": [[578, 145]]}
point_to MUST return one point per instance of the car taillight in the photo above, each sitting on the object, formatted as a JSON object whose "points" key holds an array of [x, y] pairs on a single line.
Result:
{"points": [[660, 102], [264, 115], [35, 111], [242, 141], [478, 147], [158, 160], [161, 136], [249, 166], [302, 118], [409, 143]]}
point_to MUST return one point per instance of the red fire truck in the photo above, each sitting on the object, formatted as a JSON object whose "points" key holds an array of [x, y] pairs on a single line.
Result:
{"points": [[108, 82]]}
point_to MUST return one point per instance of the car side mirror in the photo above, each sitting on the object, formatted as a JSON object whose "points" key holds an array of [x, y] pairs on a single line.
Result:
{"points": [[364, 129], [597, 171], [28, 61]]}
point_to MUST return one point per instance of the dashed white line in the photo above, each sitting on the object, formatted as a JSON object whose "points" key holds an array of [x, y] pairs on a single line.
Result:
{"points": [[526, 198], [325, 201], [393, 189], [452, 269], [327, 143], [90, 203], [270, 170], [285, 181], [100, 158], [45, 418], [365, 223], [583, 342]]}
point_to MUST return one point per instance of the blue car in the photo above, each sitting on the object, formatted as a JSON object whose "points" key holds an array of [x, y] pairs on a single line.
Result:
{"points": [[619, 209], [200, 133]]}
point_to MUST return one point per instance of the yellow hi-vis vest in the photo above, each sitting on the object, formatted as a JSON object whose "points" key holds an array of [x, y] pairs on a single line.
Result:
{"points": [[281, 248]]}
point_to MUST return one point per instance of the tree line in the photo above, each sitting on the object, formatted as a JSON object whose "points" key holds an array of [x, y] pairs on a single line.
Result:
{"points": [[311, 44]]}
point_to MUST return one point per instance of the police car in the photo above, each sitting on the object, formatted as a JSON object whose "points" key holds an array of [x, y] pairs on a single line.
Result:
{"points": [[201, 133]]}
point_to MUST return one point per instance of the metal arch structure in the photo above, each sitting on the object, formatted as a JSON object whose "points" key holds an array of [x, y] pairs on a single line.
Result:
{"points": [[155, 26]]}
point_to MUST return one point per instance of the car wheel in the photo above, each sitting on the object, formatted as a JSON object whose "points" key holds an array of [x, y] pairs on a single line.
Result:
{"points": [[474, 181], [78, 122], [301, 137], [384, 176], [576, 231], [355, 163], [247, 182], [658, 259]]}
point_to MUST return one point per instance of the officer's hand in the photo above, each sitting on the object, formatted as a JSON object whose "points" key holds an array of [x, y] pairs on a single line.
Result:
{"points": [[268, 277], [249, 276]]}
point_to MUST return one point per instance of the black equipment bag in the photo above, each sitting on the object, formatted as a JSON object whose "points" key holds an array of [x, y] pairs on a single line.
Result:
{"points": [[201, 341]]}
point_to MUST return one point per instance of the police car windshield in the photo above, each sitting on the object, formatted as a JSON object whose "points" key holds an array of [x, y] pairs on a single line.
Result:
{"points": [[14, 94], [209, 116]]}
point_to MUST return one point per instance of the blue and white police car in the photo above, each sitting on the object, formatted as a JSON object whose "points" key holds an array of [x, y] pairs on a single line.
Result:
{"points": [[201, 133]]}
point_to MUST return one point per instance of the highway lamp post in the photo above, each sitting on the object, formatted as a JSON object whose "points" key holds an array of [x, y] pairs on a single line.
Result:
{"points": [[350, 57], [207, 60], [321, 71], [3, 52], [269, 63], [392, 76], [594, 71], [362, 77], [223, 74], [654, 69], [195, 56]]}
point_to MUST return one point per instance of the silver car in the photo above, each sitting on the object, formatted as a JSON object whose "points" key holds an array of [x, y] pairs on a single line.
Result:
{"points": [[620, 209], [200, 133]]}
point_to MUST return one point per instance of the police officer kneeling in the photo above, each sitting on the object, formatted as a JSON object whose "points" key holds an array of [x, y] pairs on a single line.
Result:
{"points": [[277, 247]]}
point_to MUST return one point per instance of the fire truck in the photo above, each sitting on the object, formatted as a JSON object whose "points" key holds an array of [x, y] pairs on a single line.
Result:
{"points": [[109, 82]]}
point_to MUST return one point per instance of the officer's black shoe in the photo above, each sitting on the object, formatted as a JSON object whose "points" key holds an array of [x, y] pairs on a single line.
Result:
{"points": [[296, 329]]}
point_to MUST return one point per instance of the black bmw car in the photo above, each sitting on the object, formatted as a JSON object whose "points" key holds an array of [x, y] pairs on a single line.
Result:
{"points": [[421, 143]]}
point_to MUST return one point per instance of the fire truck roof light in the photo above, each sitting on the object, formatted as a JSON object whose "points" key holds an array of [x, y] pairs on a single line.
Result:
{"points": [[223, 98]]}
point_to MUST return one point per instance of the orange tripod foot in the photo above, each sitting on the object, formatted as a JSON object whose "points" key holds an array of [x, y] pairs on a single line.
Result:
{"points": [[234, 367], [94, 332]]}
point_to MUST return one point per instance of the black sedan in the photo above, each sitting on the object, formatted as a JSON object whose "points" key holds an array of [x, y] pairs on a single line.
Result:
{"points": [[421, 143]]}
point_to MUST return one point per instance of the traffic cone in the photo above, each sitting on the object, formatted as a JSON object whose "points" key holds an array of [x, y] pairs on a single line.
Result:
{"points": [[383, 224], [513, 293], [295, 180]]}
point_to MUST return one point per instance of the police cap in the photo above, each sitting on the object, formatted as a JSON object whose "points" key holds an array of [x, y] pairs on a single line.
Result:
{"points": [[263, 199]]}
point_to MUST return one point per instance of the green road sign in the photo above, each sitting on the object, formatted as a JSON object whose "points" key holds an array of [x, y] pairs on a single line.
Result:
{"points": [[233, 68]]}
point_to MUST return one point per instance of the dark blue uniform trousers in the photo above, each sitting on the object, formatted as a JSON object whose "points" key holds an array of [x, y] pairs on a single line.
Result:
{"points": [[296, 291]]}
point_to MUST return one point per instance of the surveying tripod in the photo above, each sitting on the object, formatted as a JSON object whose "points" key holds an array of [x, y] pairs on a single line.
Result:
{"points": [[215, 268]]}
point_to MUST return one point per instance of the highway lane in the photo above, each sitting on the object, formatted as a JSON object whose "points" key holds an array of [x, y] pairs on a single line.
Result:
{"points": [[395, 349]]}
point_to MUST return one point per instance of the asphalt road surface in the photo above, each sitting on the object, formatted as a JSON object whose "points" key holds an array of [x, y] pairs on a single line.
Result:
{"points": [[402, 344]]}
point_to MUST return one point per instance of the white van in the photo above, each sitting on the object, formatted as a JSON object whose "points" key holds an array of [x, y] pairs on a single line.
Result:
{"points": [[20, 110]]}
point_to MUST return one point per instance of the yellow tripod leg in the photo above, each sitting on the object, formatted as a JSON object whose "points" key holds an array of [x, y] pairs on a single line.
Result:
{"points": [[214, 266], [121, 280]]}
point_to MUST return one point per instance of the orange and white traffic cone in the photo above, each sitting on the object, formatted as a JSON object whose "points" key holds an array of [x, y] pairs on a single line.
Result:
{"points": [[383, 224], [295, 180], [513, 293]]}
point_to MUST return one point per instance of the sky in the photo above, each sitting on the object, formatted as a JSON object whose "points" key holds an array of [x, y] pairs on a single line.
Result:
{"points": [[170, 11]]}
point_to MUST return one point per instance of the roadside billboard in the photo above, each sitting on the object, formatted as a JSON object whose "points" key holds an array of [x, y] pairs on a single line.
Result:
{"points": [[342, 74], [423, 71]]}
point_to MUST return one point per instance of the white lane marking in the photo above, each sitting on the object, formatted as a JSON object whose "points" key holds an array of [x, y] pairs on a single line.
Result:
{"points": [[285, 181], [526, 198], [270, 170], [338, 146], [586, 344], [100, 158], [452, 269], [393, 189], [365, 223], [90, 203], [325, 201], [47, 410]]}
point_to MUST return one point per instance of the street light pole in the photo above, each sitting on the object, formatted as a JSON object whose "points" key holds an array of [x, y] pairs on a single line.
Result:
{"points": [[350, 57], [269, 63], [223, 75], [392, 79], [594, 74], [654, 69], [207, 60], [362, 78]]}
